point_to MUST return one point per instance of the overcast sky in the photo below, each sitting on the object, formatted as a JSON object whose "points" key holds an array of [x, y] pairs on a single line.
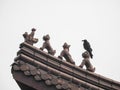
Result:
{"points": [[69, 21]]}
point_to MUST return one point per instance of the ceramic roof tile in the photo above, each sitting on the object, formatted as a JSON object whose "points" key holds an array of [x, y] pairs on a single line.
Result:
{"points": [[41, 66]]}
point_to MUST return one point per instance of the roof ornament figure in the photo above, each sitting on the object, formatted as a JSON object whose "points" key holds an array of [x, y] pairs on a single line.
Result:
{"points": [[29, 38], [46, 45], [86, 62], [65, 53], [87, 47]]}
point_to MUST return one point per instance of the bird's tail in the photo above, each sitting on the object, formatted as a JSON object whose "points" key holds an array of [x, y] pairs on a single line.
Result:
{"points": [[91, 55]]}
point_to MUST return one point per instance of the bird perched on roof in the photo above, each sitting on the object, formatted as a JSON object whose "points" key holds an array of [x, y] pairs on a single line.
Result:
{"points": [[87, 47]]}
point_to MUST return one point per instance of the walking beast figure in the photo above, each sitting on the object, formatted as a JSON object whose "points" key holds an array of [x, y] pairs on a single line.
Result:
{"points": [[65, 53], [46, 45], [86, 62]]}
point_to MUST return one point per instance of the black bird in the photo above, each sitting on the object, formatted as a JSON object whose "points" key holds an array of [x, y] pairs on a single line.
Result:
{"points": [[87, 47]]}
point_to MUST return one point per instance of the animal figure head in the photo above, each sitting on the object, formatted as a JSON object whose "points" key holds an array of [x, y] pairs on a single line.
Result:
{"points": [[46, 37], [66, 45], [85, 54], [33, 29]]}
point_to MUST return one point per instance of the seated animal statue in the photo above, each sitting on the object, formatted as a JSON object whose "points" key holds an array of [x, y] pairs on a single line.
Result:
{"points": [[65, 53], [46, 45], [29, 38], [86, 62]]}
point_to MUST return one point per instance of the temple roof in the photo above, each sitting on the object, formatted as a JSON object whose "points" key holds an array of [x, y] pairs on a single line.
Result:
{"points": [[35, 69]]}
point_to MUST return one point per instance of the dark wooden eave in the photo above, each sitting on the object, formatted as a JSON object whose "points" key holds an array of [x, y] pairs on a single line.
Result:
{"points": [[62, 75]]}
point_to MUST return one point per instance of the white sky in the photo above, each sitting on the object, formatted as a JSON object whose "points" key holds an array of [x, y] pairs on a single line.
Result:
{"points": [[69, 21]]}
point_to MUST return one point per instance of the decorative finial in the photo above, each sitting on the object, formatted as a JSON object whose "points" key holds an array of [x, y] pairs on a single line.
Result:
{"points": [[29, 38]]}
